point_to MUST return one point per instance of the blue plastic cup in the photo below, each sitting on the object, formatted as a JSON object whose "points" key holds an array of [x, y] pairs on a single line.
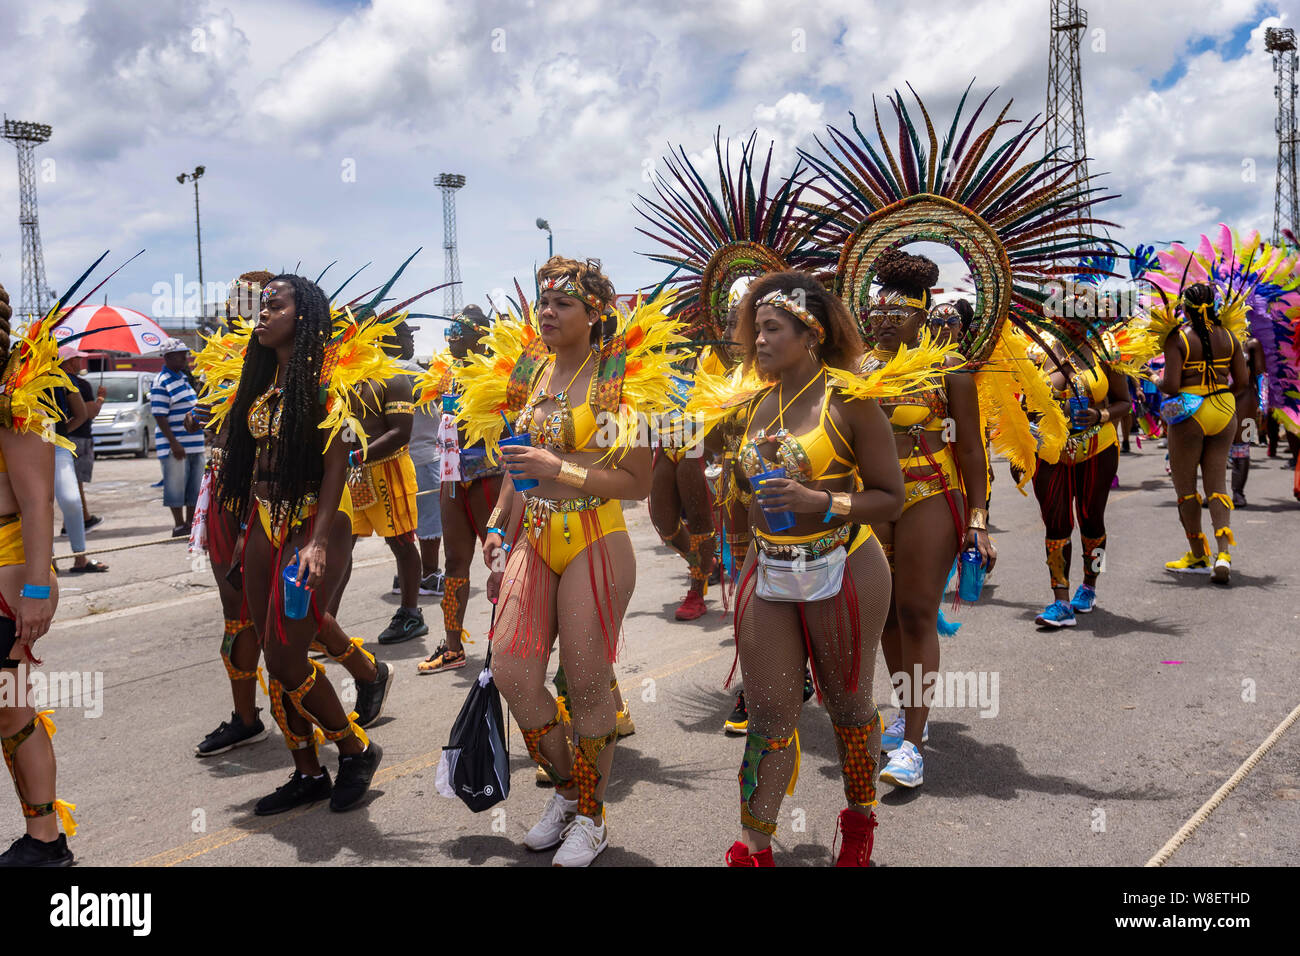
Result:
{"points": [[297, 597], [970, 582], [449, 404], [523, 441], [778, 519], [1078, 406]]}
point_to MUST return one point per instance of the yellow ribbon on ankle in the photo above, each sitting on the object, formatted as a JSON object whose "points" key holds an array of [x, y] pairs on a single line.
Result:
{"points": [[64, 811]]}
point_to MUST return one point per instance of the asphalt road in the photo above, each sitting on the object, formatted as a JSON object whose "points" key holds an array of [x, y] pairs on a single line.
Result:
{"points": [[1106, 738]]}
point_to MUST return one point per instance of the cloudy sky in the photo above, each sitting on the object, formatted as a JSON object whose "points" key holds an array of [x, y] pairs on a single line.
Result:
{"points": [[323, 124]]}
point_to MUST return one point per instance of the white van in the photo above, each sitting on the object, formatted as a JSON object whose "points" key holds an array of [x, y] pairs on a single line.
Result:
{"points": [[124, 423]]}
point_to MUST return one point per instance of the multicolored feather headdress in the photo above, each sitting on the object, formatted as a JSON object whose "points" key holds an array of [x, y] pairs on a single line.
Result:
{"points": [[1018, 223]]}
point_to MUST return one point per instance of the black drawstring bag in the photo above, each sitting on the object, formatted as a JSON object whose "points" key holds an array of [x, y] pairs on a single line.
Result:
{"points": [[475, 764]]}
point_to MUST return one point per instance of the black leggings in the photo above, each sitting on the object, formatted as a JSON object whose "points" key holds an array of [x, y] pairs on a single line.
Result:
{"points": [[1066, 490]]}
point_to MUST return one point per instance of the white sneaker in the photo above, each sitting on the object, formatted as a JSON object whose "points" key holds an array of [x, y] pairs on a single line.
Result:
{"points": [[550, 829], [583, 840], [906, 767]]}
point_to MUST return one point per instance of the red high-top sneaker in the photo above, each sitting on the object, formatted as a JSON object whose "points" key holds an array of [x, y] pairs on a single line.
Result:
{"points": [[859, 835], [739, 855]]}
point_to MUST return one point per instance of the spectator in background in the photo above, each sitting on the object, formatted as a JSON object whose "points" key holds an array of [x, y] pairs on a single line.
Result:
{"points": [[428, 466], [74, 364], [179, 436], [72, 415]]}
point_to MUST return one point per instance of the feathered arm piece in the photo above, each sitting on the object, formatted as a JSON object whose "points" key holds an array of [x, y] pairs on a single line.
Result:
{"points": [[910, 370], [1010, 371], [352, 356], [31, 375], [219, 364], [493, 384], [718, 396], [435, 381]]}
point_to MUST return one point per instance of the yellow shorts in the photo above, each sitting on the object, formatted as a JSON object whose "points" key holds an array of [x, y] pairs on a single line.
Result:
{"points": [[306, 511], [559, 530], [11, 541], [927, 482], [1218, 408], [391, 483]]}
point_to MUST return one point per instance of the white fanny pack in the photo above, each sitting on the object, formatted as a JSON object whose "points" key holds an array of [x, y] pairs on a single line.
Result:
{"points": [[801, 579]]}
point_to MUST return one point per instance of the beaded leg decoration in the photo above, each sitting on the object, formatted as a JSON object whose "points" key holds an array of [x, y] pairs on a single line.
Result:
{"points": [[297, 695], [533, 741], [1094, 555], [291, 740], [757, 747], [695, 561], [233, 630], [453, 604], [33, 810], [858, 761], [586, 771], [355, 644], [1058, 561]]}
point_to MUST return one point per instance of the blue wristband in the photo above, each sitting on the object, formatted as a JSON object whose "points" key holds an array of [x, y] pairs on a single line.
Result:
{"points": [[826, 518], [505, 547], [496, 531], [39, 591]]}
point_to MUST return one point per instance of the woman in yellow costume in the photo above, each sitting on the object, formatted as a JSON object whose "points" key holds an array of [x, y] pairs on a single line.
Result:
{"points": [[29, 592], [284, 473], [817, 452], [581, 385]]}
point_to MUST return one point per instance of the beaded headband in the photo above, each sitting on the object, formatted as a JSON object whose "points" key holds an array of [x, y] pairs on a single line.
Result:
{"points": [[787, 303], [566, 286], [889, 297]]}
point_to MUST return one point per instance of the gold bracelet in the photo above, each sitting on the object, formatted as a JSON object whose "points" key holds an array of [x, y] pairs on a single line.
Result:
{"points": [[572, 475], [1104, 415], [978, 520], [494, 519], [841, 502]]}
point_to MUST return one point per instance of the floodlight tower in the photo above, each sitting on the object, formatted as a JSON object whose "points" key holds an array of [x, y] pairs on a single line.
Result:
{"points": [[1065, 130], [1286, 215], [449, 183], [26, 137]]}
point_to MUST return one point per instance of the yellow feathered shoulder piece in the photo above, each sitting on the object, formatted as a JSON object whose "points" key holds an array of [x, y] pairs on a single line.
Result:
{"points": [[908, 370], [496, 383], [219, 364], [352, 356], [1009, 372], [435, 381], [31, 374]]}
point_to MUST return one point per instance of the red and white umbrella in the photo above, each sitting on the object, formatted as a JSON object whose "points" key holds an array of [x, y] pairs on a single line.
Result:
{"points": [[112, 329]]}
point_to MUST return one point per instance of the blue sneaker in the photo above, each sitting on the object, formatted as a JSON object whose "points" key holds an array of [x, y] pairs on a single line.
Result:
{"points": [[1084, 600], [1056, 614], [892, 736], [906, 767]]}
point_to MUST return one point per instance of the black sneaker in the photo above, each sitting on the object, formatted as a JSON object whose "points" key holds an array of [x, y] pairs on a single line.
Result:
{"points": [[231, 734], [355, 774], [404, 626], [300, 790], [371, 696], [431, 584], [93, 521], [28, 851], [738, 722], [807, 685]]}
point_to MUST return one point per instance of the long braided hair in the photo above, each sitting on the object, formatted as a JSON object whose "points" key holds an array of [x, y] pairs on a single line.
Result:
{"points": [[297, 462], [1198, 306], [5, 314]]}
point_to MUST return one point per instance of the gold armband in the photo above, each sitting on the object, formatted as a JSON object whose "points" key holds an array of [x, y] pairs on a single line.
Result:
{"points": [[1104, 415], [399, 408], [841, 502], [494, 519], [572, 475], [979, 520]]}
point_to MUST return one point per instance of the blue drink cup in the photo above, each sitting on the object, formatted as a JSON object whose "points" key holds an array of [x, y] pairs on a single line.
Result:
{"points": [[523, 441], [296, 596], [778, 519], [449, 405], [970, 582], [1077, 407]]}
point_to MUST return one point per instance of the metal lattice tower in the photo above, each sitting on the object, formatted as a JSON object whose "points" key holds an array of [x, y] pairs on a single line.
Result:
{"points": [[1286, 212], [1065, 85], [449, 183], [26, 137]]}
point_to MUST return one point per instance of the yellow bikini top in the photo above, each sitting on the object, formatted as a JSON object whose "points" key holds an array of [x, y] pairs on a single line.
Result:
{"points": [[567, 429], [804, 458], [1216, 371], [924, 410], [262, 421], [1091, 382]]}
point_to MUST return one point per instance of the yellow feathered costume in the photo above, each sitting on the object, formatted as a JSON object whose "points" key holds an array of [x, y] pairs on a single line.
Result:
{"points": [[499, 383], [31, 374], [1008, 372]]}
